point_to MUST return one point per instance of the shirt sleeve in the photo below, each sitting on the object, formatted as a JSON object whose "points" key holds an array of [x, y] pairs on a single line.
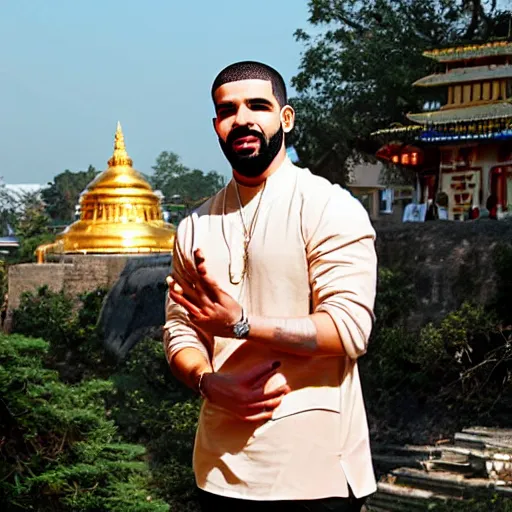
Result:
{"points": [[178, 332], [340, 248]]}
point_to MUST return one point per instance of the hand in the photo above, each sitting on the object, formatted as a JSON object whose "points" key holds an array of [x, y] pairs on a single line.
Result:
{"points": [[210, 308], [246, 395]]}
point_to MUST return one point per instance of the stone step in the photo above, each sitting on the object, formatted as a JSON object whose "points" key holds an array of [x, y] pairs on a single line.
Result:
{"points": [[489, 432], [421, 451], [384, 462], [397, 498], [490, 462], [473, 439], [450, 484], [451, 466]]}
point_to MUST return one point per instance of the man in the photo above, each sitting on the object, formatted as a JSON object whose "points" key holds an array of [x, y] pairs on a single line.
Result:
{"points": [[270, 305]]}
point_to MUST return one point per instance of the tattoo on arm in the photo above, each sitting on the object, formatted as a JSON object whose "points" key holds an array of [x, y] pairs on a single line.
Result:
{"points": [[296, 333]]}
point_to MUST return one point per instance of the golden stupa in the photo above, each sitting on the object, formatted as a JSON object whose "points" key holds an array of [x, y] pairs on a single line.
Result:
{"points": [[119, 214]]}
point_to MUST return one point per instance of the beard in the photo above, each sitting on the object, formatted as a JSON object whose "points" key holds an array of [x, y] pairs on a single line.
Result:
{"points": [[258, 162]]}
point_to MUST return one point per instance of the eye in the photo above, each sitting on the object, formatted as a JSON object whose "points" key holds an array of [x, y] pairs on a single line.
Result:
{"points": [[225, 110], [260, 106]]}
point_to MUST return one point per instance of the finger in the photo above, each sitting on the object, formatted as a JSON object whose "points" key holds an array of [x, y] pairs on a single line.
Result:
{"points": [[182, 283], [260, 395], [205, 294], [190, 268], [262, 416], [199, 260], [209, 285], [266, 405], [174, 286], [260, 371], [187, 304]]}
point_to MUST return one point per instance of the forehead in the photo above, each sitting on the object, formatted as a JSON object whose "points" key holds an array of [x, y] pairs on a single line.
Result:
{"points": [[244, 90]]}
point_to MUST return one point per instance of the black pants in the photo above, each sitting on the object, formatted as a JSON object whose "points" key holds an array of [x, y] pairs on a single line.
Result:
{"points": [[214, 503]]}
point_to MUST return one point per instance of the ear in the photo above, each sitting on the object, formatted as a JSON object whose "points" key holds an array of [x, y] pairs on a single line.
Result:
{"points": [[287, 118]]}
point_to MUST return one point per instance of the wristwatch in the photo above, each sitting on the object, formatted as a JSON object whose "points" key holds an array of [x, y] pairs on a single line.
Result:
{"points": [[241, 328]]}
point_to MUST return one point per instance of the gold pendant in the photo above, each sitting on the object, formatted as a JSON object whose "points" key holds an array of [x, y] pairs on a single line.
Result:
{"points": [[237, 278]]}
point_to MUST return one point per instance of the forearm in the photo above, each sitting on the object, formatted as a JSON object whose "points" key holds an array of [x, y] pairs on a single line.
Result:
{"points": [[188, 365], [313, 335]]}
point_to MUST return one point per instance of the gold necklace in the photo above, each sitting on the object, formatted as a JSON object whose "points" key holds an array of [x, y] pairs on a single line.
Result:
{"points": [[248, 233]]}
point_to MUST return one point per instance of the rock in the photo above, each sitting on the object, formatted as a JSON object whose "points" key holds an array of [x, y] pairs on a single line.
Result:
{"points": [[135, 306]]}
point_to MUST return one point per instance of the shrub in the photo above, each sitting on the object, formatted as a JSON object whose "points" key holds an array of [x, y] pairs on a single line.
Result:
{"points": [[395, 298], [58, 450], [70, 327], [148, 405], [152, 407]]}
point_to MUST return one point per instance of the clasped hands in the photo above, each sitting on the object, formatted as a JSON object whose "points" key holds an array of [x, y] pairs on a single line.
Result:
{"points": [[252, 395]]}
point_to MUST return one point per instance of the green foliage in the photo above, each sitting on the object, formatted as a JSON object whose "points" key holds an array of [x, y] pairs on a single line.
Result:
{"points": [[75, 343], [460, 366], [61, 196], [58, 451], [171, 177], [356, 72], [23, 214], [151, 407], [148, 405], [395, 298]]}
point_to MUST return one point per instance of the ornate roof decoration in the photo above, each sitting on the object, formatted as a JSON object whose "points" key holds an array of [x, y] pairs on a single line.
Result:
{"points": [[464, 114], [472, 51], [464, 75]]}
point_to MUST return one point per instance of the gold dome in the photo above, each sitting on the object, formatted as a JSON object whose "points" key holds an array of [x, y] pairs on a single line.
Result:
{"points": [[119, 214]]}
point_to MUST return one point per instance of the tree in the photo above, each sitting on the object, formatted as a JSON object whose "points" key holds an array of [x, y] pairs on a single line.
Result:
{"points": [[31, 225], [171, 177], [23, 214], [62, 195], [58, 450], [355, 76]]}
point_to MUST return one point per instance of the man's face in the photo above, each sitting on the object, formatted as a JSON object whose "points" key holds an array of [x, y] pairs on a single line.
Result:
{"points": [[248, 125]]}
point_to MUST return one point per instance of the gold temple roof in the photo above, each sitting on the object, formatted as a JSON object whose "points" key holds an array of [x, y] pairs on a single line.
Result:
{"points": [[119, 214], [471, 51], [465, 75], [463, 114]]}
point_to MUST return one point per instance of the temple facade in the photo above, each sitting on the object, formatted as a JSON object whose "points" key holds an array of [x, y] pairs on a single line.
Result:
{"points": [[119, 214], [120, 219], [461, 148]]}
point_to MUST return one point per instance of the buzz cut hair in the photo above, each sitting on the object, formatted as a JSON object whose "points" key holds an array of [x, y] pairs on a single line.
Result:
{"points": [[251, 70]]}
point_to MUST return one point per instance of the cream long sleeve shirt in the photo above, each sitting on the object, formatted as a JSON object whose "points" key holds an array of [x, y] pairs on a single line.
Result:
{"points": [[312, 250]]}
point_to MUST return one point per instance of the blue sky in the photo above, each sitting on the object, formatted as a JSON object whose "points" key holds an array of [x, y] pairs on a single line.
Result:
{"points": [[70, 70]]}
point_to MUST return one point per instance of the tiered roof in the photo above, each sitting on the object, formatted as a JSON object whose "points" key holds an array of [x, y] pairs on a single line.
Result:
{"points": [[483, 117], [465, 75]]}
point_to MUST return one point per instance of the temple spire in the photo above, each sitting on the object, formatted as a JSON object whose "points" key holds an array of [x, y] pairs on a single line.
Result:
{"points": [[120, 156]]}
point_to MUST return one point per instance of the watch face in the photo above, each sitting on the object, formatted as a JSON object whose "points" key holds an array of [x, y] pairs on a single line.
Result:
{"points": [[241, 329]]}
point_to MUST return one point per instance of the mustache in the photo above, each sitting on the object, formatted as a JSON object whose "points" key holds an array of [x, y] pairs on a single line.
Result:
{"points": [[244, 131]]}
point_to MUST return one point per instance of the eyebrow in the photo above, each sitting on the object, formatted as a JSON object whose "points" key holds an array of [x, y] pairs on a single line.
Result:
{"points": [[261, 101]]}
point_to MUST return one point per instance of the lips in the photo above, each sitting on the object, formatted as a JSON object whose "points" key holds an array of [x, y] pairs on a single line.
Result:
{"points": [[247, 142]]}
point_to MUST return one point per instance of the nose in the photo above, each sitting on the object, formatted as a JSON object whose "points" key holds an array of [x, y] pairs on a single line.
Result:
{"points": [[243, 117]]}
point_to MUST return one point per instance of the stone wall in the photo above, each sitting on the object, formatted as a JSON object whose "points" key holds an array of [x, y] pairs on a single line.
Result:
{"points": [[74, 274], [447, 263]]}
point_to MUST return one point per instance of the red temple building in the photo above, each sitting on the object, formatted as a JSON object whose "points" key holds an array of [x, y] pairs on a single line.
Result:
{"points": [[462, 150]]}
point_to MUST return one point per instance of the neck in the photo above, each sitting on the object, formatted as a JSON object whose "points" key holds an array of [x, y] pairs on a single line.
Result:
{"points": [[258, 181]]}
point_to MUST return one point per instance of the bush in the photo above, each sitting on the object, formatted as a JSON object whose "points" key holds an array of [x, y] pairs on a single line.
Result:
{"points": [[148, 405], [58, 450], [76, 350], [459, 369], [152, 407], [395, 298]]}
